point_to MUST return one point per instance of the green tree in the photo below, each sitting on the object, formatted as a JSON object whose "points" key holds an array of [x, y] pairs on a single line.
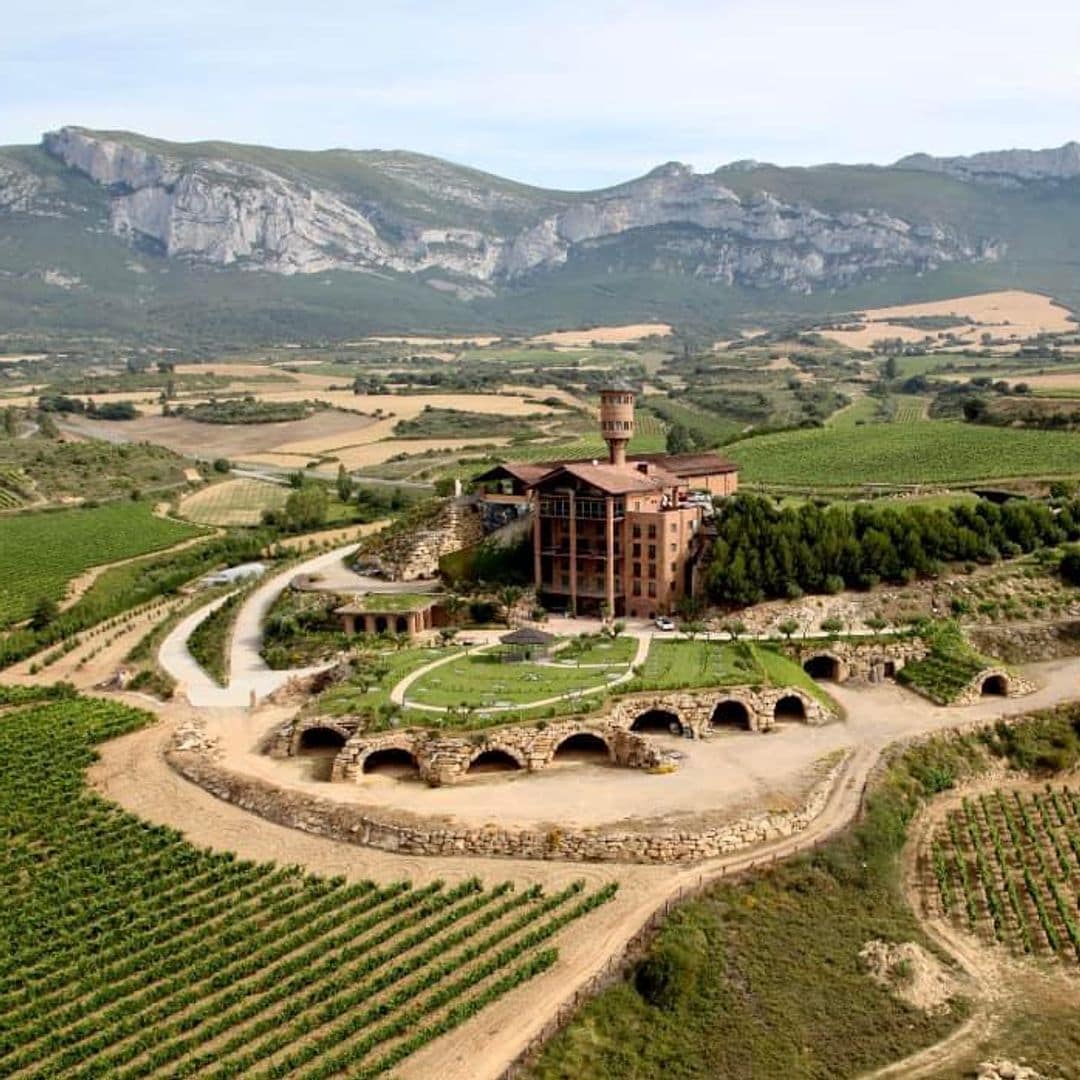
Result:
{"points": [[453, 605], [344, 484], [47, 426], [46, 611], [832, 625], [11, 423], [306, 507], [788, 627], [509, 595], [679, 440], [734, 628], [1070, 566]]}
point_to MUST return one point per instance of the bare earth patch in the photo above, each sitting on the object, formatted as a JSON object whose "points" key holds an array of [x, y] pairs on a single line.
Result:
{"points": [[910, 973]]}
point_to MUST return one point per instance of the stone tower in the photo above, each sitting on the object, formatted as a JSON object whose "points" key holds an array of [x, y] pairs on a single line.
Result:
{"points": [[617, 419]]}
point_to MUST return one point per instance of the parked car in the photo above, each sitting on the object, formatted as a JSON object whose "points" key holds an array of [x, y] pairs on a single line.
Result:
{"points": [[664, 623]]}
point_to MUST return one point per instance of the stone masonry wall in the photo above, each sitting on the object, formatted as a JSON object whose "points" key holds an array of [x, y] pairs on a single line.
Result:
{"points": [[357, 825], [444, 759], [1020, 644], [870, 661], [408, 556]]}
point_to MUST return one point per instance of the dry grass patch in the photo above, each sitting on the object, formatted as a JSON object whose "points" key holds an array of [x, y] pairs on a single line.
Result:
{"points": [[234, 502], [1010, 313], [606, 335]]}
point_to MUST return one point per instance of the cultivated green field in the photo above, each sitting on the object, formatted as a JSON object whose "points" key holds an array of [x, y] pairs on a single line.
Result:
{"points": [[127, 952], [931, 452], [1005, 865], [41, 552]]}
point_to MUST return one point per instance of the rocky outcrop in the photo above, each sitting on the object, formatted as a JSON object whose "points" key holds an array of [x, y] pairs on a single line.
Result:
{"points": [[467, 232], [755, 241], [1008, 168], [19, 189]]}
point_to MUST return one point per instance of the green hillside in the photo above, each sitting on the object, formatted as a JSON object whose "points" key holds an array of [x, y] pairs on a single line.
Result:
{"points": [[67, 268]]}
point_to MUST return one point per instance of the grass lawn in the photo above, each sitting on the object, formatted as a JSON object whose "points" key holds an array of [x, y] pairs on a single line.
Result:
{"points": [[781, 670], [681, 664], [41, 552], [599, 650], [933, 452], [380, 675], [483, 680], [377, 603]]}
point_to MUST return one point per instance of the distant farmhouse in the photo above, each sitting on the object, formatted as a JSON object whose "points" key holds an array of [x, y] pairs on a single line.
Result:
{"points": [[622, 536]]}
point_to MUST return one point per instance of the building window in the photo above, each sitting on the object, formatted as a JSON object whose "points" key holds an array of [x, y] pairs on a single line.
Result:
{"points": [[674, 526], [637, 532], [652, 570], [674, 547], [636, 588], [652, 551], [637, 551], [637, 569], [652, 532], [566, 581], [652, 588], [674, 567]]}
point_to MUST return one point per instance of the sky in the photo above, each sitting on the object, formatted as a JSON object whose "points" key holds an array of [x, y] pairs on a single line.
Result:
{"points": [[561, 94]]}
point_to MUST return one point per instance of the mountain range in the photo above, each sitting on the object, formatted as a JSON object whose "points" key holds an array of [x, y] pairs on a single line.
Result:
{"points": [[112, 233]]}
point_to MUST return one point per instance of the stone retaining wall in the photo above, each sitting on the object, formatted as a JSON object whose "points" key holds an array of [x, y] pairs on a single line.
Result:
{"points": [[1022, 644], [357, 825], [445, 758], [870, 661]]}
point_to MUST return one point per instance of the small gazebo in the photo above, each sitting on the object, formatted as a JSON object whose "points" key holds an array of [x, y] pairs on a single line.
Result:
{"points": [[526, 643]]}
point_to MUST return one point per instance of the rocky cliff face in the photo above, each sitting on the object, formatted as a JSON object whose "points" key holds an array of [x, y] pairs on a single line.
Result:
{"points": [[1008, 168], [471, 233]]}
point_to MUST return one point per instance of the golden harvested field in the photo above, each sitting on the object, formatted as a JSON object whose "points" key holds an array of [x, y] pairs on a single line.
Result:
{"points": [[226, 440], [1011, 313], [606, 335], [233, 502], [358, 457], [349, 432], [1062, 380], [414, 340]]}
